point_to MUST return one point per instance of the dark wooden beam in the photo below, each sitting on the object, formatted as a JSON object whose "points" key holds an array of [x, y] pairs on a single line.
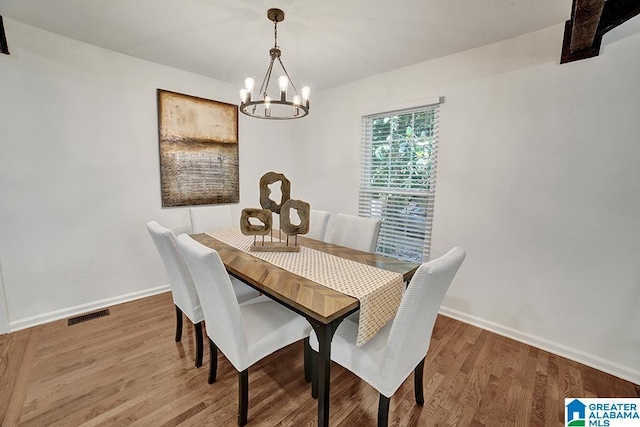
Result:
{"points": [[590, 21], [616, 13], [586, 18], [4, 47]]}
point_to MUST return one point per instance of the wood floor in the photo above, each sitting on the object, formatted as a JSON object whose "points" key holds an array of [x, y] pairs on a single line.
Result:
{"points": [[126, 369]]}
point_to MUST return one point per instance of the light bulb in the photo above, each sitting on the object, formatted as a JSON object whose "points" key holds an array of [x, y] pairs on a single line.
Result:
{"points": [[243, 95], [283, 82], [267, 104], [296, 105], [305, 93], [248, 84]]}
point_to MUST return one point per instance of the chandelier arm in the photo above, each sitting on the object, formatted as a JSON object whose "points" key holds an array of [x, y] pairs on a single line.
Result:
{"points": [[287, 74], [267, 78], [265, 83]]}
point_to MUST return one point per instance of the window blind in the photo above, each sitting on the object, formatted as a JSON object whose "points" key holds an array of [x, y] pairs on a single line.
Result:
{"points": [[398, 177]]}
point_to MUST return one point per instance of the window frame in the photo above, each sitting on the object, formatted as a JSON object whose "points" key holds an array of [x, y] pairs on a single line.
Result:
{"points": [[406, 213]]}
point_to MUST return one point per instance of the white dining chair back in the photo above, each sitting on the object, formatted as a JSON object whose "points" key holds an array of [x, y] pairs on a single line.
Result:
{"points": [[354, 232], [412, 327], [245, 333], [318, 221], [183, 290], [400, 347], [209, 218], [221, 308]]}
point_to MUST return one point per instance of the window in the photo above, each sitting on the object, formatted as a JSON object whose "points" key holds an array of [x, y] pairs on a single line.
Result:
{"points": [[399, 158]]}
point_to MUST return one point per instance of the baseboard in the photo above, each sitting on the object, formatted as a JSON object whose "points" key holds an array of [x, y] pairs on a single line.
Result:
{"points": [[51, 316], [620, 371]]}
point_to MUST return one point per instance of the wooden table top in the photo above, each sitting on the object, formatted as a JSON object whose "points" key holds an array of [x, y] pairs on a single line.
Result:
{"points": [[315, 300]]}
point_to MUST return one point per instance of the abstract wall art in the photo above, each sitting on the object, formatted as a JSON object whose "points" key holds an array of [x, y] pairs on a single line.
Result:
{"points": [[198, 150]]}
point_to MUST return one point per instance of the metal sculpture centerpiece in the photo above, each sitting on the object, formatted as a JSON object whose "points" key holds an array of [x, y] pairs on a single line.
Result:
{"points": [[279, 107], [265, 217]]}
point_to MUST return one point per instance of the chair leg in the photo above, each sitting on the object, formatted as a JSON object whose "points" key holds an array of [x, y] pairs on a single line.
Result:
{"points": [[199, 344], [213, 362], [418, 381], [307, 360], [383, 410], [178, 324], [243, 397]]}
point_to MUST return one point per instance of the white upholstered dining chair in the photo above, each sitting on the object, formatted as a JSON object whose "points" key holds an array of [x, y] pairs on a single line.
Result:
{"points": [[400, 347], [318, 221], [245, 333], [209, 218], [354, 232], [183, 291]]}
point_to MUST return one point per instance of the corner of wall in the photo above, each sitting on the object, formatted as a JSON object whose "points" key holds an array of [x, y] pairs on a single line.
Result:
{"points": [[4, 310]]}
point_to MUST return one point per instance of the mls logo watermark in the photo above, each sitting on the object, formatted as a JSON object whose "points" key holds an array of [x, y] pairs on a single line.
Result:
{"points": [[609, 412]]}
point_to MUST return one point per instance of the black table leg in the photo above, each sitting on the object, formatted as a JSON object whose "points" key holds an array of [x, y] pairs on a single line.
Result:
{"points": [[308, 368], [324, 332], [324, 373]]}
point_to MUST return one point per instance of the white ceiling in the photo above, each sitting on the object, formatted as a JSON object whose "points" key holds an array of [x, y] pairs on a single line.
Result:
{"points": [[324, 43]]}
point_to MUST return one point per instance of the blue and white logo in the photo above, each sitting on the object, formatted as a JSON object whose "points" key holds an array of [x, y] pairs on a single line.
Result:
{"points": [[609, 412], [575, 413]]}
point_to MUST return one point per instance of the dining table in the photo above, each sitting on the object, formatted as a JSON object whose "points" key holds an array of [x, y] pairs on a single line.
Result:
{"points": [[323, 307]]}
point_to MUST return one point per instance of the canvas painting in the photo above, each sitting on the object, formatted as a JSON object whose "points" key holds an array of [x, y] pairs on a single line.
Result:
{"points": [[198, 150]]}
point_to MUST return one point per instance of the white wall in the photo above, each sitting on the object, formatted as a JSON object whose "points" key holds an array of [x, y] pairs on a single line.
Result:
{"points": [[79, 172], [538, 178]]}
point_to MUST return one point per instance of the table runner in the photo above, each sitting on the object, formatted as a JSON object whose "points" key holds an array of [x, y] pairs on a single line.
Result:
{"points": [[379, 291]]}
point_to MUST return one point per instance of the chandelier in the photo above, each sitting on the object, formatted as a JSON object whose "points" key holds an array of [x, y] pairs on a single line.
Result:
{"points": [[277, 108]]}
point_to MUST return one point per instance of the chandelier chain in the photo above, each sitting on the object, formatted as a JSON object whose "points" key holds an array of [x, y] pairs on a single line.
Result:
{"points": [[275, 34]]}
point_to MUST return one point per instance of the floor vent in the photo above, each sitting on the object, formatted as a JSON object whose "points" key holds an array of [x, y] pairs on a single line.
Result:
{"points": [[87, 317]]}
